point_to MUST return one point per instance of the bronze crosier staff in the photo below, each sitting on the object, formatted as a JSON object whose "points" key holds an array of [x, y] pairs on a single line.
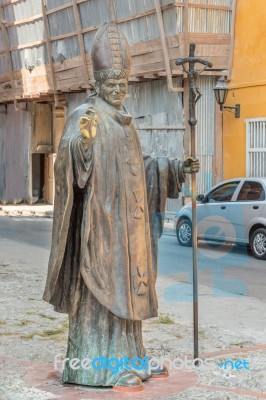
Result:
{"points": [[194, 96]]}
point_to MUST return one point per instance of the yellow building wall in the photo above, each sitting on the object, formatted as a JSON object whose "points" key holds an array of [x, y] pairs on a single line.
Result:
{"points": [[247, 86]]}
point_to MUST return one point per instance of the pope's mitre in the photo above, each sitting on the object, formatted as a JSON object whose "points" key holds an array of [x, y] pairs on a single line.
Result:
{"points": [[110, 53]]}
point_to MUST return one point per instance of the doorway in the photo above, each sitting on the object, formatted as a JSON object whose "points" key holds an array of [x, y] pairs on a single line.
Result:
{"points": [[38, 177]]}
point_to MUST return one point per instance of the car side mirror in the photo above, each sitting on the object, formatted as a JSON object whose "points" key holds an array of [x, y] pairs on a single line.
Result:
{"points": [[201, 198]]}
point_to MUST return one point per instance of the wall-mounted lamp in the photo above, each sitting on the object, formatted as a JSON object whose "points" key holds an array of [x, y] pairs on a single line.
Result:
{"points": [[221, 91]]}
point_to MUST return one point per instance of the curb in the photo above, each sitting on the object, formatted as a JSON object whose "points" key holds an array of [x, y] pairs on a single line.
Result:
{"points": [[5, 212], [26, 213]]}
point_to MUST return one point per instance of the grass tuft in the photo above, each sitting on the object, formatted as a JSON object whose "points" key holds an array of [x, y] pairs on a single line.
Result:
{"points": [[49, 333], [165, 319]]}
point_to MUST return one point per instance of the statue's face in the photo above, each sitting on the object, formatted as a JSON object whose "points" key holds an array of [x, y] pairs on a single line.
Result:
{"points": [[113, 91]]}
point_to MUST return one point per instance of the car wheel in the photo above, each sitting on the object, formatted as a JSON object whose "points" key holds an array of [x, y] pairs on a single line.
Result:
{"points": [[258, 244], [184, 232]]}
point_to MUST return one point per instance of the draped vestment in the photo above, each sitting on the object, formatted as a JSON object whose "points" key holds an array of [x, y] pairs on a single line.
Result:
{"points": [[108, 217]]}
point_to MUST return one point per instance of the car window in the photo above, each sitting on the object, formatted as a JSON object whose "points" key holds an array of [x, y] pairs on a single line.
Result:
{"points": [[224, 192], [251, 191]]}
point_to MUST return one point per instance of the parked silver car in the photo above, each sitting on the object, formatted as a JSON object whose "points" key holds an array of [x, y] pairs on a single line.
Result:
{"points": [[232, 211]]}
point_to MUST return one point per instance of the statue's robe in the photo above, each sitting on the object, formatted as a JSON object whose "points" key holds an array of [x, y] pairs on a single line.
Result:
{"points": [[108, 216]]}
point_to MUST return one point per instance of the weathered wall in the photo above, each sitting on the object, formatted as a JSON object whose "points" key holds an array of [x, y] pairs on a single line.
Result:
{"points": [[15, 144], [158, 115], [248, 83]]}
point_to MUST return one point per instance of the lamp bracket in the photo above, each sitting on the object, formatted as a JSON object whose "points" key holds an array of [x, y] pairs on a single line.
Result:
{"points": [[235, 109]]}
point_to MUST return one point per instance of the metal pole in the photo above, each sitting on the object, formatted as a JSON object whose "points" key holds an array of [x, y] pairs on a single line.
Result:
{"points": [[194, 247], [194, 96]]}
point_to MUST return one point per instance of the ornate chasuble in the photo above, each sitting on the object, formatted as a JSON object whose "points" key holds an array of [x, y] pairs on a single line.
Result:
{"points": [[117, 264]]}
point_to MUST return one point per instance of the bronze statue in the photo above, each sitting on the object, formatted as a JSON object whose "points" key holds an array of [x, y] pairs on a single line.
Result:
{"points": [[108, 217]]}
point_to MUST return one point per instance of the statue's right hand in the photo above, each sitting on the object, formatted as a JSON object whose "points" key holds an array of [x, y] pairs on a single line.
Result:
{"points": [[88, 124]]}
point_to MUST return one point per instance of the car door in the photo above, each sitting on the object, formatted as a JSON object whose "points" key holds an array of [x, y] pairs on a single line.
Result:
{"points": [[247, 207], [213, 223]]}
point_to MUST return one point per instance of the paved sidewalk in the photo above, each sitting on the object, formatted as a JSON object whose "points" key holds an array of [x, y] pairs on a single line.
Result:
{"points": [[46, 211], [26, 210]]}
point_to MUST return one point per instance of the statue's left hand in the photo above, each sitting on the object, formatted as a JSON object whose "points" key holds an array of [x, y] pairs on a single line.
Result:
{"points": [[191, 165]]}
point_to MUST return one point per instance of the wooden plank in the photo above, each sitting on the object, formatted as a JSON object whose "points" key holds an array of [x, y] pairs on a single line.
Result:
{"points": [[138, 70], [150, 46], [81, 40], [174, 72], [91, 28], [38, 71], [59, 117], [8, 57], [206, 38], [68, 86], [210, 7], [4, 78], [73, 72], [63, 36], [134, 79], [68, 64], [42, 132], [156, 56], [161, 127], [15, 135], [207, 50], [8, 2], [232, 41], [49, 51], [24, 20], [59, 8], [26, 45], [186, 28]]}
